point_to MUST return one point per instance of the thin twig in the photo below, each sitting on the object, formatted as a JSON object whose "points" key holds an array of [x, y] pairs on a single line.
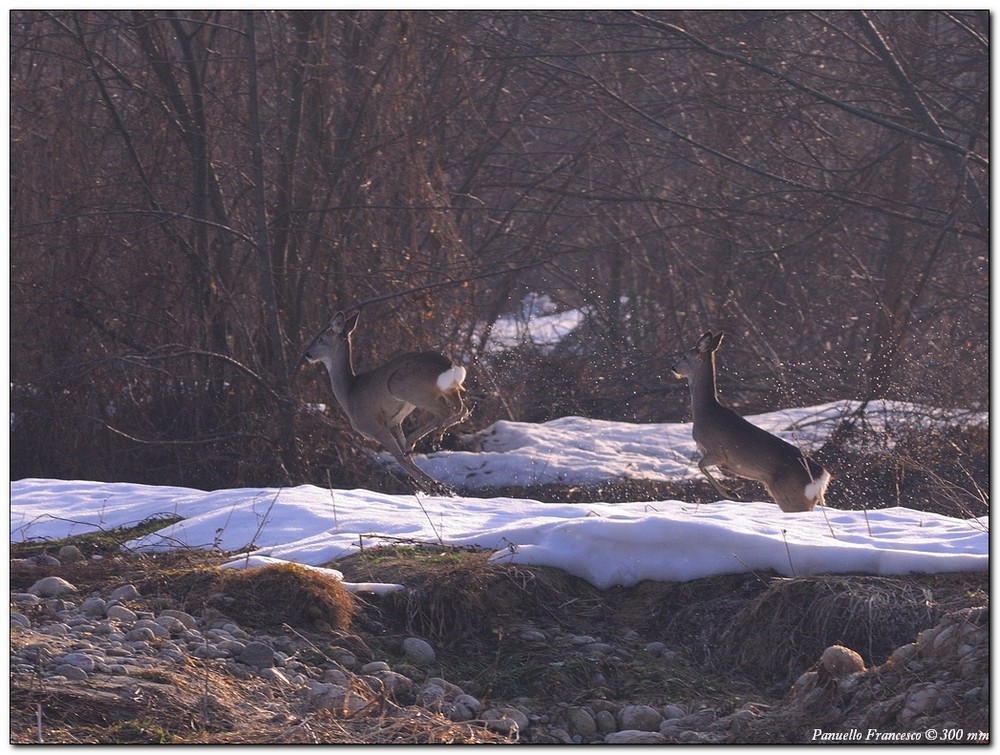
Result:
{"points": [[788, 550]]}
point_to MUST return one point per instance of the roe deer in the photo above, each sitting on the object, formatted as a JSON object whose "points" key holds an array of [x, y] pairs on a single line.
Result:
{"points": [[376, 402], [729, 442]]}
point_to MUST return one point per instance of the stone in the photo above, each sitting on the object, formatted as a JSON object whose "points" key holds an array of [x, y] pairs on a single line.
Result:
{"points": [[80, 660], [121, 613], [71, 672], [639, 717], [605, 721], [141, 634], [506, 720], [581, 721], [93, 606], [257, 654], [184, 618], [70, 554], [20, 620], [125, 592], [418, 651], [430, 696], [534, 636], [50, 587], [672, 711], [401, 688], [634, 737]]}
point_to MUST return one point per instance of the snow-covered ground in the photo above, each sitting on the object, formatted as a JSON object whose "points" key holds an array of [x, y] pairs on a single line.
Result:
{"points": [[606, 544]]}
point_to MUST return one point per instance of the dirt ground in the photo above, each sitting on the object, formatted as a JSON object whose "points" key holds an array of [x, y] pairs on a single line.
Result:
{"points": [[733, 644]]}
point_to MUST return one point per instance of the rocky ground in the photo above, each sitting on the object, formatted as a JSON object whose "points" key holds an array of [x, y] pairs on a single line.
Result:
{"points": [[130, 648]]}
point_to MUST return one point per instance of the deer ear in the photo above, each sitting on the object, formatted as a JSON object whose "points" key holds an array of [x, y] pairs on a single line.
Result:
{"points": [[352, 323]]}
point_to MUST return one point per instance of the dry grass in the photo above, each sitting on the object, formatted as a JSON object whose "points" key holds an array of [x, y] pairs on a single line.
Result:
{"points": [[204, 703], [782, 631], [271, 596]]}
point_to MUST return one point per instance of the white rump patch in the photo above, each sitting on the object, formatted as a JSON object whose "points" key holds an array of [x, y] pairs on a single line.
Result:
{"points": [[451, 378], [816, 488]]}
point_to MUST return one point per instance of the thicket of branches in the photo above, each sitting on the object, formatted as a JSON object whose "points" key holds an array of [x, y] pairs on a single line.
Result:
{"points": [[194, 193]]}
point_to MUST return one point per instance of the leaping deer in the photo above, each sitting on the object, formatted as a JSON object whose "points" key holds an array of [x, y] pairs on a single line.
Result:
{"points": [[377, 401], [737, 447]]}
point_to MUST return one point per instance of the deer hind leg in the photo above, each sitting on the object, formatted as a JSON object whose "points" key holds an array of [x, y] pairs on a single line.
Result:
{"points": [[803, 486], [447, 412], [799, 492]]}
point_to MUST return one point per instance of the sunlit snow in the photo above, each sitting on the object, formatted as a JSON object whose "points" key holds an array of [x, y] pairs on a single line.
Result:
{"points": [[606, 544]]}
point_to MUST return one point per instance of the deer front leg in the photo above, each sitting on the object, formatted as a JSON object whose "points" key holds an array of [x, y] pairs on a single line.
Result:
{"points": [[423, 480], [703, 465]]}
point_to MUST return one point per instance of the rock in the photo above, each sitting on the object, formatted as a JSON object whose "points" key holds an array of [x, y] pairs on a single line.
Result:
{"points": [[839, 661], [19, 620], [371, 668], [125, 592], [275, 675], [921, 699], [186, 619], [904, 653], [80, 660], [334, 698], [634, 737], [698, 720], [140, 634], [581, 721], [70, 554], [44, 559], [805, 683], [401, 688], [158, 630], [334, 676], [69, 671], [121, 613], [605, 721], [506, 720], [672, 711], [560, 736], [257, 654], [459, 710], [418, 651], [640, 718], [93, 606], [450, 690], [431, 696], [50, 587]]}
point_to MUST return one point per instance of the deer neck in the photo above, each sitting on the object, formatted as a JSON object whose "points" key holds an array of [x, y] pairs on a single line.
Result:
{"points": [[340, 365], [704, 397]]}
